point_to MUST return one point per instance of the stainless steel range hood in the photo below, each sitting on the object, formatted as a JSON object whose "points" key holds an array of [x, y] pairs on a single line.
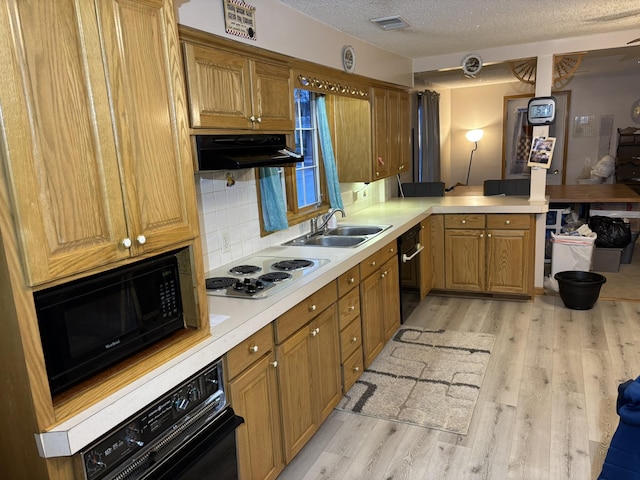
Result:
{"points": [[227, 152]]}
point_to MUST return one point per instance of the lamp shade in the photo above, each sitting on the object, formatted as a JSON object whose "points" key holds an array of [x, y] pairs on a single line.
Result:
{"points": [[474, 135]]}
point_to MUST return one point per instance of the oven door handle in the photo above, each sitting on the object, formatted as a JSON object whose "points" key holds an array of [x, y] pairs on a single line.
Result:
{"points": [[407, 258]]}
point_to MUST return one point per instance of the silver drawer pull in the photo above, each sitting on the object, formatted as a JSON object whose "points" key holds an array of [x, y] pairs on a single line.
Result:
{"points": [[351, 308], [253, 349], [354, 339], [312, 308]]}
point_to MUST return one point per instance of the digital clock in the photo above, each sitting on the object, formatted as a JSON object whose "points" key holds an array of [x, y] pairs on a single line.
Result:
{"points": [[541, 111]]}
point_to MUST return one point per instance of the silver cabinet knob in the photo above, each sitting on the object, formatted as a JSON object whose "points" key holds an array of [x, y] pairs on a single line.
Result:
{"points": [[463, 221], [126, 243], [253, 349], [141, 239], [351, 308], [351, 280], [507, 222], [274, 364], [312, 308]]}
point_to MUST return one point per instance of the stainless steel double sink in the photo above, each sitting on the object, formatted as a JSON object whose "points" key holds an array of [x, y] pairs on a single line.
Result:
{"points": [[343, 236]]}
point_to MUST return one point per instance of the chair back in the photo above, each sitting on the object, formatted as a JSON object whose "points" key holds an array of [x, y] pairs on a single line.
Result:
{"points": [[513, 186], [423, 189]]}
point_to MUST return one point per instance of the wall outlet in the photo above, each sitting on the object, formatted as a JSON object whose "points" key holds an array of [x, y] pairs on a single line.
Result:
{"points": [[226, 242]]}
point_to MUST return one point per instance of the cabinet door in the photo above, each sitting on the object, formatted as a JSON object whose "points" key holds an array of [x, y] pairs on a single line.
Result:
{"points": [[390, 286], [381, 161], [326, 380], [464, 259], [219, 87], [61, 164], [398, 131], [296, 395], [352, 138], [273, 103], [150, 120], [372, 308], [508, 261], [254, 396]]}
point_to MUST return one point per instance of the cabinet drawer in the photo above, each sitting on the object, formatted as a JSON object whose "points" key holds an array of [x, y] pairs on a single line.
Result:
{"points": [[307, 309], [464, 221], [352, 368], [247, 352], [390, 250], [373, 263], [349, 307], [348, 280], [351, 338], [508, 221]]}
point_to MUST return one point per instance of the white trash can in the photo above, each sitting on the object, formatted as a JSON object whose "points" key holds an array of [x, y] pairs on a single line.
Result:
{"points": [[571, 252]]}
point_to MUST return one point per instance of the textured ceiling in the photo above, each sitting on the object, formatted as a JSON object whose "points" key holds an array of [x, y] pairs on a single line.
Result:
{"points": [[462, 26], [450, 26]]}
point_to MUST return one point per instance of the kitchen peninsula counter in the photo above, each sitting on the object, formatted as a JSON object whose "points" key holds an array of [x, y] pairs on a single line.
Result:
{"points": [[235, 319]]}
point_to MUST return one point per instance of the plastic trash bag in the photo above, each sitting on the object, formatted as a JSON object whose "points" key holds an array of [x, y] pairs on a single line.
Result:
{"points": [[612, 232]]}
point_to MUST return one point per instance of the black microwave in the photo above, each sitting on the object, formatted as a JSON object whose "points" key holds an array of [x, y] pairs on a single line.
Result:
{"points": [[90, 324]]}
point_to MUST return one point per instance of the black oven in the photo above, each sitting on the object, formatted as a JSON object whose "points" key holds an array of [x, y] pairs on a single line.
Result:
{"points": [[89, 324], [187, 434], [409, 249]]}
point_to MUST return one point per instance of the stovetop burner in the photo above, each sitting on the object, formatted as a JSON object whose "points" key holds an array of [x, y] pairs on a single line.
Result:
{"points": [[277, 273], [245, 269], [295, 264], [275, 276]]}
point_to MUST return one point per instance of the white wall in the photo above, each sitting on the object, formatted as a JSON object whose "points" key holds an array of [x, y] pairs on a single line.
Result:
{"points": [[483, 107], [283, 30], [598, 96]]}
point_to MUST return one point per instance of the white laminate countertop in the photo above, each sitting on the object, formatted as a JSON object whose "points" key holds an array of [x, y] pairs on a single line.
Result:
{"points": [[235, 319]]}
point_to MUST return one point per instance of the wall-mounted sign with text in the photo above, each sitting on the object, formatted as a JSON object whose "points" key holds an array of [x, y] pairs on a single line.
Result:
{"points": [[240, 18]]}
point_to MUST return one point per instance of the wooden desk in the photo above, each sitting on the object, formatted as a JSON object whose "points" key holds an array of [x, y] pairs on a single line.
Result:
{"points": [[607, 193]]}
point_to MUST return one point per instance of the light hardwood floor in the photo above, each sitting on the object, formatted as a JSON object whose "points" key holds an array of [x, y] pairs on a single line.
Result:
{"points": [[546, 409]]}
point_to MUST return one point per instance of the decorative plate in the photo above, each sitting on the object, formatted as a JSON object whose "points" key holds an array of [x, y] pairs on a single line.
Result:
{"points": [[348, 58]]}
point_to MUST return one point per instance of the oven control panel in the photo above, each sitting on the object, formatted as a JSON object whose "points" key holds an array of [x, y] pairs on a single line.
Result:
{"points": [[141, 431]]}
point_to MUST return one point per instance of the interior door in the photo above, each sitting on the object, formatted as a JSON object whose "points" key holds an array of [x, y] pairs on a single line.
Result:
{"points": [[517, 137]]}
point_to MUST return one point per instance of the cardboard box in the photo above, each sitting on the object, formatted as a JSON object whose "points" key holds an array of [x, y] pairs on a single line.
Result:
{"points": [[606, 259]]}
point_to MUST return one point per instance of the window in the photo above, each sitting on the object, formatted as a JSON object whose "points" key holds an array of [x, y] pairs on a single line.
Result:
{"points": [[304, 184]]}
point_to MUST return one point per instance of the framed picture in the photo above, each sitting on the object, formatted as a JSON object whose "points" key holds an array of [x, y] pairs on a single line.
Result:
{"points": [[541, 152]]}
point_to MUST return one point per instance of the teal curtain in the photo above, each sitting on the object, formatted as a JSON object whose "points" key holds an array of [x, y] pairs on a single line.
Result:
{"points": [[329, 160], [274, 207]]}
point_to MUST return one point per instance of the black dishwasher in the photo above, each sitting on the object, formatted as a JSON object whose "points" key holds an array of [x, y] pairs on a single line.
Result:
{"points": [[409, 249]]}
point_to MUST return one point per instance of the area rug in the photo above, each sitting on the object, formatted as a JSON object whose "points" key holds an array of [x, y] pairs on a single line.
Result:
{"points": [[424, 377]]}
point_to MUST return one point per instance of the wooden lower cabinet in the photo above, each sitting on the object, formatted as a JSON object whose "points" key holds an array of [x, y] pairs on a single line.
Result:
{"points": [[253, 393], [490, 253], [379, 300], [309, 378]]}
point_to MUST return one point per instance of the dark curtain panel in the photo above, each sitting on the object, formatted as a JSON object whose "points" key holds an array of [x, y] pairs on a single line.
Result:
{"points": [[428, 136]]}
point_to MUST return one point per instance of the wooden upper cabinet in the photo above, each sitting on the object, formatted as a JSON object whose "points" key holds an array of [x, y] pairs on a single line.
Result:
{"points": [[150, 118], [231, 91], [96, 147], [372, 140], [350, 125], [381, 133]]}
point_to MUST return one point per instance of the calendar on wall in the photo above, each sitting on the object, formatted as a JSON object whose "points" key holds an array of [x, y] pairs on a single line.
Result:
{"points": [[240, 19]]}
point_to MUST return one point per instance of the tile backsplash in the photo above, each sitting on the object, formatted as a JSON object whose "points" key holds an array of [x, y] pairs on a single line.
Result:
{"points": [[228, 213]]}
